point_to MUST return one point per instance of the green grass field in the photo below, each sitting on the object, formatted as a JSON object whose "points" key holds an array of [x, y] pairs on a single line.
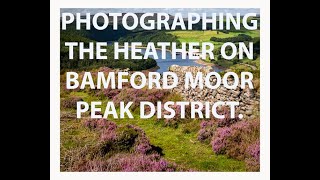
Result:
{"points": [[178, 145], [204, 36]]}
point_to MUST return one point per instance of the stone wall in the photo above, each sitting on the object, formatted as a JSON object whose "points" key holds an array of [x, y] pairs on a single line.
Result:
{"points": [[249, 99]]}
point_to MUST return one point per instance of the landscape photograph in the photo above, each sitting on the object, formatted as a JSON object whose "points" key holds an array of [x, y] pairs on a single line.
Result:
{"points": [[160, 144]]}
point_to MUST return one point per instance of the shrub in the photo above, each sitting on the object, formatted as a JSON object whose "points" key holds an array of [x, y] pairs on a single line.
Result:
{"points": [[219, 143], [111, 153], [117, 139], [253, 160], [143, 145], [109, 93], [99, 124], [227, 120], [174, 122], [206, 130], [70, 102], [192, 126], [130, 163], [142, 142], [125, 138], [234, 140], [76, 159]]}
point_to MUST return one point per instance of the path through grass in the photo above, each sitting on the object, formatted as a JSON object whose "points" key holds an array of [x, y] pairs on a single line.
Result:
{"points": [[185, 149], [177, 144]]}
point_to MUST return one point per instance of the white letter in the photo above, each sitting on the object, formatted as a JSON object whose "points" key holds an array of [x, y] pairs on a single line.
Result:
{"points": [[133, 78], [253, 21], [110, 109], [182, 50], [134, 50], [105, 82], [207, 109], [206, 51], [191, 21], [95, 21], [159, 107], [74, 79], [87, 79], [208, 83], [71, 45], [192, 50], [182, 105], [150, 50], [125, 109], [236, 24], [142, 110], [65, 21], [243, 47], [225, 80], [94, 109], [178, 21], [151, 22], [80, 110], [169, 109], [244, 80], [99, 50], [195, 110], [86, 20], [212, 21], [121, 80], [154, 80], [115, 19], [135, 21], [221, 20], [82, 50], [223, 50], [124, 50], [165, 80], [232, 108], [163, 48], [214, 109], [193, 83], [161, 21]]}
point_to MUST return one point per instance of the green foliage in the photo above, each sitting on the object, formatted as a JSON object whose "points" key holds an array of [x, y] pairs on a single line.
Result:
{"points": [[223, 63], [150, 36], [239, 38], [86, 63], [190, 127], [126, 138]]}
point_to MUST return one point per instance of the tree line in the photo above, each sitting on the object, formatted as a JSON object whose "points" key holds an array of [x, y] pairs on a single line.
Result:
{"points": [[86, 63]]}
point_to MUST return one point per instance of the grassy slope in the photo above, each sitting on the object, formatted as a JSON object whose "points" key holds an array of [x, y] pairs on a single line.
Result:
{"points": [[204, 36], [179, 147], [184, 149]]}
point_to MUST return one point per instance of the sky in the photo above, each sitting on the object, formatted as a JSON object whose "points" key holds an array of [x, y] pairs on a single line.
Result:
{"points": [[184, 11]]}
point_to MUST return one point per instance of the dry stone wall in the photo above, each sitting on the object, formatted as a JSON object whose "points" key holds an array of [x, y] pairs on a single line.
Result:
{"points": [[249, 99]]}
